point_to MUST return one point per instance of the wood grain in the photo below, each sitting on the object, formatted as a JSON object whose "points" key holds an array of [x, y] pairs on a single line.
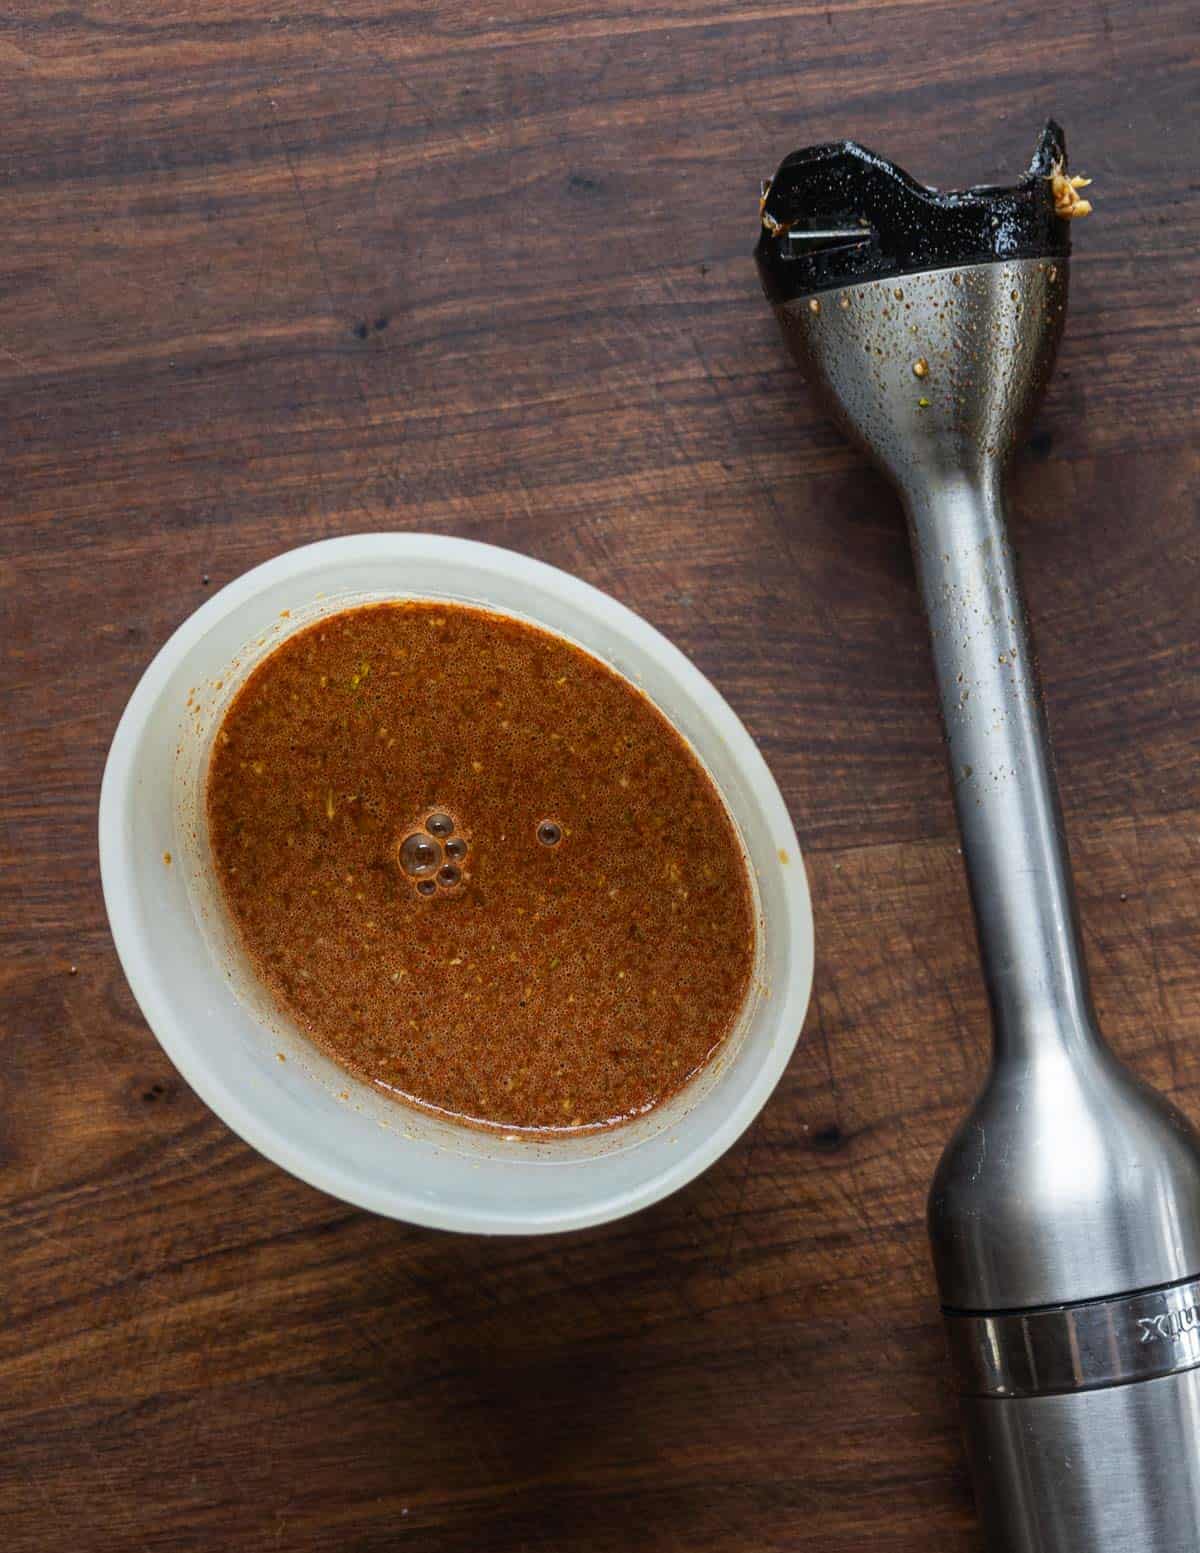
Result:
{"points": [[271, 273]]}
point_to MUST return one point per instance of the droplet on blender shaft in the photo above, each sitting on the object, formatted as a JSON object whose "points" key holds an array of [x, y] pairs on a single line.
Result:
{"points": [[419, 857]]}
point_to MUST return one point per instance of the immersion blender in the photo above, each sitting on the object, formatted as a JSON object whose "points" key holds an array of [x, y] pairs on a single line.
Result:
{"points": [[1065, 1212]]}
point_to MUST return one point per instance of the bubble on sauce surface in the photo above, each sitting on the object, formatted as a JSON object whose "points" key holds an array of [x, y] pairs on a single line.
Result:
{"points": [[419, 857], [549, 833], [449, 874], [439, 825], [457, 848], [426, 887]]}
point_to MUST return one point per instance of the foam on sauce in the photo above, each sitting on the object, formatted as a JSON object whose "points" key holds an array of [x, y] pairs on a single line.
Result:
{"points": [[480, 869]]}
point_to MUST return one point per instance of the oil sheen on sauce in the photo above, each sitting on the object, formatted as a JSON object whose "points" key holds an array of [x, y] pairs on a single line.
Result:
{"points": [[478, 868]]}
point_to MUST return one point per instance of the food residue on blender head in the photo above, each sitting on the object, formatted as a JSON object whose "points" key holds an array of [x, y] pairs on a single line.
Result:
{"points": [[480, 869], [1068, 202]]}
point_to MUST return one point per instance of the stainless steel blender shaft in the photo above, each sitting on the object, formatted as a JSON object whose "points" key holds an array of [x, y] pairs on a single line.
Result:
{"points": [[1080, 1131], [1082, 1421], [1065, 1213]]}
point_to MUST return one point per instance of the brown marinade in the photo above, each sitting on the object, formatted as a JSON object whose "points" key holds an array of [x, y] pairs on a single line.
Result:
{"points": [[567, 954]]}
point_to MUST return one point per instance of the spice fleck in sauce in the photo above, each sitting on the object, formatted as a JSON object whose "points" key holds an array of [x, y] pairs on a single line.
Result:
{"points": [[478, 868]]}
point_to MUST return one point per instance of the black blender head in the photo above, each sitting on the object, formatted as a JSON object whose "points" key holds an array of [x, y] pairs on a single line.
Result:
{"points": [[838, 214]]}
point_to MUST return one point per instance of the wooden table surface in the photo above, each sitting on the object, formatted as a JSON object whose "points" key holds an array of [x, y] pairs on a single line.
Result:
{"points": [[275, 272]]}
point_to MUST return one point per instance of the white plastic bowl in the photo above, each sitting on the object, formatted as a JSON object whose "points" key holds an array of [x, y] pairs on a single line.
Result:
{"points": [[224, 1033]]}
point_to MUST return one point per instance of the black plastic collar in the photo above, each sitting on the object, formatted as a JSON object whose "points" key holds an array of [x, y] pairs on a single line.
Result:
{"points": [[833, 190]]}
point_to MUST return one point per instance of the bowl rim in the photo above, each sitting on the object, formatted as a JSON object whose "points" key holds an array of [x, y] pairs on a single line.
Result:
{"points": [[119, 887]]}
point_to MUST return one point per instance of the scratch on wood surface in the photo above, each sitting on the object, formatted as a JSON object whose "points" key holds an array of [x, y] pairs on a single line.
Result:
{"points": [[12, 356], [1166, 1035], [311, 231]]}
